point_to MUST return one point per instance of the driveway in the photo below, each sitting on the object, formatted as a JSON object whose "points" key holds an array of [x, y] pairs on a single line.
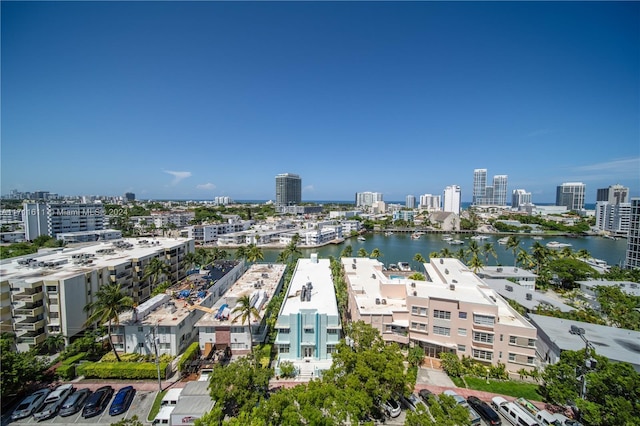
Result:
{"points": [[434, 377]]}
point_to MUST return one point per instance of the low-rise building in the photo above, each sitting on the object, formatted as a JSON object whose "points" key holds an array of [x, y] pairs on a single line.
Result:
{"points": [[526, 297], [217, 329], [89, 236], [452, 311], [194, 402], [308, 323], [524, 278]]}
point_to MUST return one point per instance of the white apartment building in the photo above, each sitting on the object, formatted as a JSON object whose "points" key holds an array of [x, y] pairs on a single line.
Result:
{"points": [[367, 199], [632, 259], [206, 234], [430, 202], [48, 291], [90, 236], [344, 214], [571, 195], [308, 323], [520, 198], [452, 199], [177, 219], [500, 190], [55, 218], [613, 218], [410, 202], [222, 201], [452, 311], [217, 328]]}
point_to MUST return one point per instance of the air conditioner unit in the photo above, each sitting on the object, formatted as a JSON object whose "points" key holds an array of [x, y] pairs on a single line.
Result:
{"points": [[452, 286], [415, 293], [384, 301], [529, 296], [413, 285]]}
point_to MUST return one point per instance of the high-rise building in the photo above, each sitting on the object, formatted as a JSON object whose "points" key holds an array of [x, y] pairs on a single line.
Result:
{"points": [[571, 195], [615, 194], [410, 202], [367, 199], [493, 195], [288, 189], [129, 197], [633, 237], [430, 202], [479, 186], [55, 218], [613, 218], [452, 197], [520, 197]]}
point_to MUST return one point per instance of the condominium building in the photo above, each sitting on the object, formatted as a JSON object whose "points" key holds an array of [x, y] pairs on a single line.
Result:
{"points": [[452, 311], [633, 240], [308, 323], [219, 329], [129, 197], [613, 218], [571, 195], [520, 198], [206, 234], [500, 190], [452, 199], [367, 199], [479, 186], [288, 189], [89, 236], [177, 219], [54, 218], [48, 291], [222, 201], [410, 202], [615, 194], [430, 202], [485, 195]]}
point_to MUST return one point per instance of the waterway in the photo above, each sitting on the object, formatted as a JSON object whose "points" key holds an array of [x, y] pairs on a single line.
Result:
{"points": [[402, 248]]}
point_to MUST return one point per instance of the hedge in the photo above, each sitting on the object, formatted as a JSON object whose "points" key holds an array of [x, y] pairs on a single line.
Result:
{"points": [[66, 372], [192, 352], [73, 359], [120, 370]]}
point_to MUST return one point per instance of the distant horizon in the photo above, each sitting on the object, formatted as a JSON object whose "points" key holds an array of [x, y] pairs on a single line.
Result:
{"points": [[188, 100]]}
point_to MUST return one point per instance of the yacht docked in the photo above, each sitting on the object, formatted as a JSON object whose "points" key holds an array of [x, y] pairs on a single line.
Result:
{"points": [[479, 237], [555, 244], [503, 240]]}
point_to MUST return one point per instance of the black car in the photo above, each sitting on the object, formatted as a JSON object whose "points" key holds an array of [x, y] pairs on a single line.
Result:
{"points": [[74, 402], [122, 400], [486, 412], [97, 401], [425, 394]]}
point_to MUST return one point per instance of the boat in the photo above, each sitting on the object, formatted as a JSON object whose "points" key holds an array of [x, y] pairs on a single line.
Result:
{"points": [[555, 244], [503, 240], [386, 234], [537, 237], [447, 238], [361, 238], [456, 242], [479, 237], [415, 236]]}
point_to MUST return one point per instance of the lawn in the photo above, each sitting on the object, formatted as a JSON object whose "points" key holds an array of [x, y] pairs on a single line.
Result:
{"points": [[508, 387], [155, 408]]}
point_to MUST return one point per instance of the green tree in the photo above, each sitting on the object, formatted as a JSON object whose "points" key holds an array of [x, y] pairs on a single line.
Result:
{"points": [[513, 244], [489, 250], [419, 258], [347, 251], [190, 260], [375, 253], [569, 270], [107, 306], [254, 253], [475, 263], [245, 312], [622, 309], [155, 270], [19, 369], [53, 343], [362, 252]]}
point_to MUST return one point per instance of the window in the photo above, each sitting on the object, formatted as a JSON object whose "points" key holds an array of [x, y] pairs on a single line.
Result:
{"points": [[532, 342], [443, 331], [141, 345], [484, 355], [442, 314], [164, 346], [140, 329], [419, 310], [418, 326], [414, 310], [462, 348], [331, 349], [462, 332], [52, 289], [462, 315], [54, 315], [483, 319], [53, 301], [501, 337], [530, 360], [513, 340], [237, 330], [283, 349], [332, 331], [283, 330], [482, 337]]}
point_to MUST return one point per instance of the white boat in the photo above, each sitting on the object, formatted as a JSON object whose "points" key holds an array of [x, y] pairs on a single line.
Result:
{"points": [[386, 234], [555, 244], [416, 236], [447, 238], [537, 237], [479, 237], [456, 242], [361, 238], [503, 240]]}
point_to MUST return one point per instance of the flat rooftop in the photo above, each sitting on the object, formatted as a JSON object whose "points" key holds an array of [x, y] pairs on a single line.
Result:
{"points": [[364, 281], [625, 286], [323, 299], [505, 272], [510, 290], [260, 276], [102, 255], [617, 344]]}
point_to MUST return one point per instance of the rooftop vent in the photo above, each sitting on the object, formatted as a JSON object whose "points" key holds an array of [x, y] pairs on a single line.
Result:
{"points": [[452, 286], [441, 261], [446, 271], [508, 288], [377, 300], [373, 276], [384, 301], [454, 281], [499, 269], [515, 269], [529, 296], [415, 293], [413, 285]]}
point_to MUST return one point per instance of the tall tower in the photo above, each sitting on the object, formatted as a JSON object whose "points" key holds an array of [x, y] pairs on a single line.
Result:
{"points": [[615, 194], [500, 190], [633, 239], [479, 186], [410, 202], [452, 198], [571, 195], [288, 189], [520, 197]]}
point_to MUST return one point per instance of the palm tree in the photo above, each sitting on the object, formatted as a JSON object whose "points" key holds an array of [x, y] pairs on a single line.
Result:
{"points": [[419, 258], [53, 343], [583, 254], [375, 253], [488, 249], [362, 252], [189, 260], [107, 306], [513, 243], [460, 254], [445, 252], [241, 252], [245, 311], [155, 269], [347, 251], [540, 255], [291, 251], [432, 255], [254, 253], [475, 263], [473, 249], [525, 259]]}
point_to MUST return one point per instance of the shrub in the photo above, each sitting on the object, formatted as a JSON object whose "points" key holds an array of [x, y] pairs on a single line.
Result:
{"points": [[192, 352], [120, 370], [75, 358], [66, 372], [287, 369], [110, 357]]}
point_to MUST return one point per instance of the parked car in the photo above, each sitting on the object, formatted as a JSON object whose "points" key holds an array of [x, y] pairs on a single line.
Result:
{"points": [[413, 401], [486, 412], [392, 407], [74, 402], [122, 400], [97, 401], [52, 402], [30, 404], [473, 415], [425, 394]]}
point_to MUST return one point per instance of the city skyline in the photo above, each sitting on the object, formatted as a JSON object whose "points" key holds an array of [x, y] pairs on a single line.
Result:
{"points": [[194, 100]]}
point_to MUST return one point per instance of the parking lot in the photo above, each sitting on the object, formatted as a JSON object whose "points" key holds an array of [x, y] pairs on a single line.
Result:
{"points": [[140, 406]]}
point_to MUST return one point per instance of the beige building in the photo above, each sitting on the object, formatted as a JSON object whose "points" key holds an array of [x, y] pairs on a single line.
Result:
{"points": [[48, 291], [452, 311]]}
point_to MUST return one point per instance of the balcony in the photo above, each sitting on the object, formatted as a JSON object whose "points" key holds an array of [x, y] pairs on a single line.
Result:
{"points": [[31, 338], [27, 297], [29, 325], [28, 312]]}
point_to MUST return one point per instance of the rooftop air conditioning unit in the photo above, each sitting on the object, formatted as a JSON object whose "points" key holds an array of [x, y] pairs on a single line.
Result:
{"points": [[377, 300], [384, 301], [515, 269], [413, 285], [452, 286], [373, 276], [441, 261], [446, 271], [415, 293], [499, 269], [529, 296], [508, 288]]}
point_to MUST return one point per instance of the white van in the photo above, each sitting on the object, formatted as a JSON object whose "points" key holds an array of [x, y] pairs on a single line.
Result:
{"points": [[547, 419], [164, 416], [171, 397], [515, 414]]}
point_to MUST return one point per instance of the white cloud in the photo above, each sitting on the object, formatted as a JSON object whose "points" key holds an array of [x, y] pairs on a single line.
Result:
{"points": [[178, 176], [308, 188], [624, 165], [207, 186]]}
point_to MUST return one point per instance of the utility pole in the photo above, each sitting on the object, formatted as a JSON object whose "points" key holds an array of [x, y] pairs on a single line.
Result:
{"points": [[154, 342]]}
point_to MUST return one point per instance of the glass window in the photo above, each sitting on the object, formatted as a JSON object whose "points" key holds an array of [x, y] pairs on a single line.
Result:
{"points": [[462, 332], [443, 331], [483, 319], [462, 315], [480, 354], [482, 337], [513, 340], [462, 348], [442, 314], [283, 349]]}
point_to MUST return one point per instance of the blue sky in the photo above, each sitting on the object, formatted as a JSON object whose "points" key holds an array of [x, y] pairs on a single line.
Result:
{"points": [[192, 100]]}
